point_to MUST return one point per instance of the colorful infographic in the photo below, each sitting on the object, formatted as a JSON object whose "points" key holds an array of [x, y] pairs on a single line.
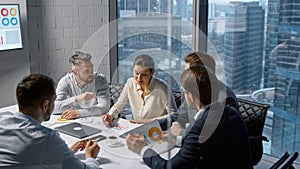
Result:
{"points": [[153, 133], [10, 29]]}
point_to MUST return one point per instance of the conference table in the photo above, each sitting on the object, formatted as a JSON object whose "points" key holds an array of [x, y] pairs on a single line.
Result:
{"points": [[110, 156]]}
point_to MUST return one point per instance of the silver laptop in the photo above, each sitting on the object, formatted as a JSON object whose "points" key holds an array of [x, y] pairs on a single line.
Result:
{"points": [[77, 130]]}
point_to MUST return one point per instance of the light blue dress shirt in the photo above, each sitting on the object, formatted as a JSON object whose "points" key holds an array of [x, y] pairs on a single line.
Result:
{"points": [[26, 144]]}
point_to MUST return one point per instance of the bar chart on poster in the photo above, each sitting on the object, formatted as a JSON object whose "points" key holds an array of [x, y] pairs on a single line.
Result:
{"points": [[10, 29]]}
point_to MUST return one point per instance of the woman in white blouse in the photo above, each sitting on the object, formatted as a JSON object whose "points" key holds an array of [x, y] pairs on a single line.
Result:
{"points": [[147, 95]]}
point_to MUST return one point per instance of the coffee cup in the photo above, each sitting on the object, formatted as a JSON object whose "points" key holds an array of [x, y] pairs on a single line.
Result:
{"points": [[113, 140]]}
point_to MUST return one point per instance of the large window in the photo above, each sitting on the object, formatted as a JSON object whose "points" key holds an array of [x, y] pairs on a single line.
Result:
{"points": [[260, 42], [160, 28], [256, 45]]}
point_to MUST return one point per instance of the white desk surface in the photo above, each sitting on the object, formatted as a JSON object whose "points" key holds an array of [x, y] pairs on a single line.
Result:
{"points": [[109, 157]]}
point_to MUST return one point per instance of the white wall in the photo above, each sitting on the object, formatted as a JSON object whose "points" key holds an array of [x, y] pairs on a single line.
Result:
{"points": [[14, 64], [57, 28]]}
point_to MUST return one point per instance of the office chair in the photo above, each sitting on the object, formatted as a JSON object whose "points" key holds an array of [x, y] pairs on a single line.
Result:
{"points": [[115, 90], [286, 161], [254, 115]]}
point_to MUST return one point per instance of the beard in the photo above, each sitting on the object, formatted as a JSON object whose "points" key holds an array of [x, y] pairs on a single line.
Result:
{"points": [[47, 114], [87, 80]]}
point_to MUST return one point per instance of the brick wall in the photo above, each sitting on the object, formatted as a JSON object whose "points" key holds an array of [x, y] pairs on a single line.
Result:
{"points": [[57, 28]]}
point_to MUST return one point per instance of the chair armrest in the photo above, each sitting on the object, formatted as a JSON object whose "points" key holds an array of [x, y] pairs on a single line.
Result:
{"points": [[289, 161], [258, 138], [280, 161]]}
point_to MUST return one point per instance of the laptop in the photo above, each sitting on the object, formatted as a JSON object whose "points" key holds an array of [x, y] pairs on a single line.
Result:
{"points": [[77, 130]]}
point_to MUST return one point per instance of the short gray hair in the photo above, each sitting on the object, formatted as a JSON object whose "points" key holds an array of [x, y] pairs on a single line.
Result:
{"points": [[78, 57]]}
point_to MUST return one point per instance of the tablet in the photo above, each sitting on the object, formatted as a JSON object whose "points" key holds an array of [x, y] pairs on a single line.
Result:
{"points": [[77, 130], [151, 131]]}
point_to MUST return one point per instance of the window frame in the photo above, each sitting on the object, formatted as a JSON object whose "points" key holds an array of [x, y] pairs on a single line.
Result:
{"points": [[200, 22]]}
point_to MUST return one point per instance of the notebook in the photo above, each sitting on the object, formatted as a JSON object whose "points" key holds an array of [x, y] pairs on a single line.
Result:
{"points": [[77, 130]]}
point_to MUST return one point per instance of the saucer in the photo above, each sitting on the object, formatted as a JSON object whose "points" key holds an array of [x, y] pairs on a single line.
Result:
{"points": [[118, 144]]}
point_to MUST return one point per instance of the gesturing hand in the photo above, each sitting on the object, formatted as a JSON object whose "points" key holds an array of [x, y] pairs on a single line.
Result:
{"points": [[92, 149], [135, 143], [107, 119], [86, 96], [165, 135], [176, 128], [141, 121], [70, 114], [79, 145]]}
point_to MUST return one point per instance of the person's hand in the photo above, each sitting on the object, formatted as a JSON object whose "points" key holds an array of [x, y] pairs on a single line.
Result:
{"points": [[70, 114], [165, 135], [92, 149], [79, 145], [140, 121], [107, 119], [86, 96], [135, 143], [176, 128]]}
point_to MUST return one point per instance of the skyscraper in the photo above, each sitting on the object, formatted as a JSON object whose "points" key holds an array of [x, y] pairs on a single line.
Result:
{"points": [[283, 61], [145, 27], [159, 6], [243, 46], [271, 43]]}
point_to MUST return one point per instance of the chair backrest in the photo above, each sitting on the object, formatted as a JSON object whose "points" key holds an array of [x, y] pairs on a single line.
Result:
{"points": [[254, 115], [115, 90], [178, 96]]}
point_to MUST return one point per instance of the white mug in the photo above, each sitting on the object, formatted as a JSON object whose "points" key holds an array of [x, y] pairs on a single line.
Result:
{"points": [[113, 140]]}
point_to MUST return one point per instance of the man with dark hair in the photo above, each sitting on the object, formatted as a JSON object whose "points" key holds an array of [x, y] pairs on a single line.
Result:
{"points": [[184, 114], [217, 139], [202, 58], [82, 92], [26, 144]]}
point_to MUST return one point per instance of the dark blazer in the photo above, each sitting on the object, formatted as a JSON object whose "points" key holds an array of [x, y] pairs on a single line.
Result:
{"points": [[227, 146], [185, 115]]}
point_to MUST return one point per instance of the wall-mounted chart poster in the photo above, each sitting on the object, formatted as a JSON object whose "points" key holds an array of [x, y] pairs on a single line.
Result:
{"points": [[10, 29]]}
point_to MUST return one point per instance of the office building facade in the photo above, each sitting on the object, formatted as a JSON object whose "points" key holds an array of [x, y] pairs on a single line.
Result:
{"points": [[243, 46], [283, 61]]}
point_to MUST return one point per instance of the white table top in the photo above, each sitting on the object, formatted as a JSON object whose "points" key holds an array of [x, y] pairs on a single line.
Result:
{"points": [[109, 157]]}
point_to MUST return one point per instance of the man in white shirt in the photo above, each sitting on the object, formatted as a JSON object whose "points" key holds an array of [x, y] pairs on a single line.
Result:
{"points": [[82, 92], [26, 144]]}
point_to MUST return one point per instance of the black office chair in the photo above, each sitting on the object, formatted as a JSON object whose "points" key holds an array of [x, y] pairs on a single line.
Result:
{"points": [[178, 96], [115, 90], [286, 161], [254, 115]]}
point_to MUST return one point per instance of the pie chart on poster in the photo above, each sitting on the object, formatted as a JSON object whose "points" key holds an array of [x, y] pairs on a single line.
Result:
{"points": [[153, 133]]}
